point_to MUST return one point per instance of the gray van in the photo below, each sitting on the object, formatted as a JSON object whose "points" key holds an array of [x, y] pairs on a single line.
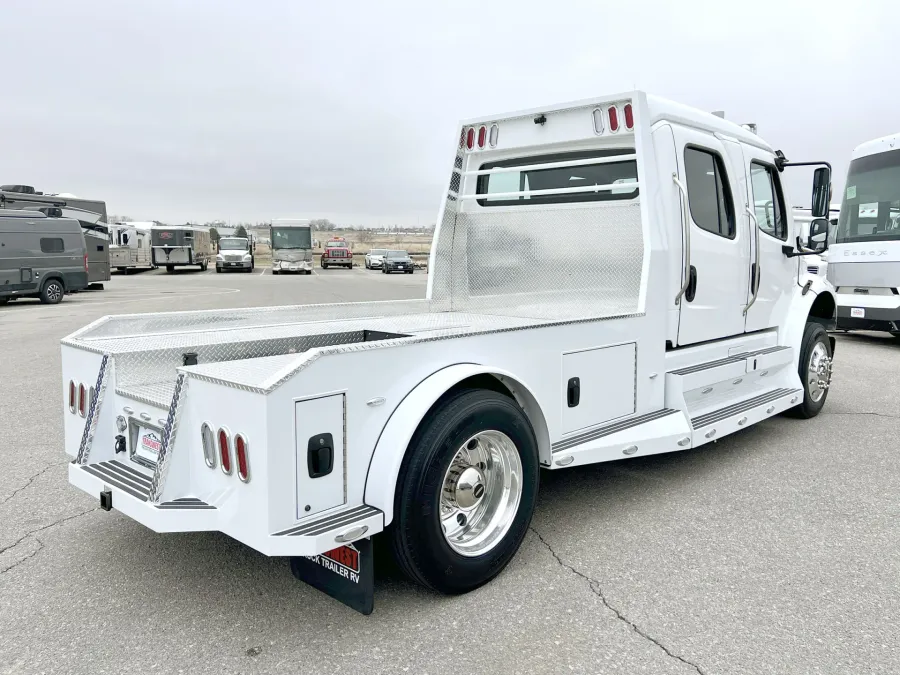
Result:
{"points": [[40, 257]]}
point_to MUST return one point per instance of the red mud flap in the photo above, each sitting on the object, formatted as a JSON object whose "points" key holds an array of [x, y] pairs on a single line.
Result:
{"points": [[346, 574]]}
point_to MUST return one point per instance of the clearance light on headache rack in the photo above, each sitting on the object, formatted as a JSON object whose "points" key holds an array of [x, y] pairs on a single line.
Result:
{"points": [[494, 135], [82, 400], [613, 114], [629, 116], [470, 138], [598, 120]]}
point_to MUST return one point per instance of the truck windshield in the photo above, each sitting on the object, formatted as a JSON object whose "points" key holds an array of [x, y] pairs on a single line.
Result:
{"points": [[871, 207], [232, 244], [295, 237], [616, 173]]}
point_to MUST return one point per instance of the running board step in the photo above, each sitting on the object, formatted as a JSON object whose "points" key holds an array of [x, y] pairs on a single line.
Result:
{"points": [[717, 423], [737, 358], [608, 429]]}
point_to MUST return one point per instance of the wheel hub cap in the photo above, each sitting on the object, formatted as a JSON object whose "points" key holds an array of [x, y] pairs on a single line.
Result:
{"points": [[469, 488]]}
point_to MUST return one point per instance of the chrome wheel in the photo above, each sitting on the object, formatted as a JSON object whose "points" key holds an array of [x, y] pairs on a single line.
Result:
{"points": [[819, 372], [480, 493]]}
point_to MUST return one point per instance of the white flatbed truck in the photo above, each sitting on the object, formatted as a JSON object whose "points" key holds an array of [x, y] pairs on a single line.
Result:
{"points": [[680, 317]]}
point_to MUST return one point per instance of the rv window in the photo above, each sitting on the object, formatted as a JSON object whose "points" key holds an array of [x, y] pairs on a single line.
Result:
{"points": [[52, 245], [767, 200], [623, 172], [709, 196]]}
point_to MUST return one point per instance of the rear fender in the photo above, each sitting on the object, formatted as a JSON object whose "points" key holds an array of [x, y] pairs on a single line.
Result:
{"points": [[384, 467]]}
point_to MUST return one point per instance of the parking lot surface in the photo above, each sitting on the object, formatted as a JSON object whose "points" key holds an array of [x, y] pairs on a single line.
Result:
{"points": [[771, 551]]}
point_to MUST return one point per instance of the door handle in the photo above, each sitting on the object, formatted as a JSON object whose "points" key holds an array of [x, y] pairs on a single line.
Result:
{"points": [[692, 285], [757, 271], [573, 392]]}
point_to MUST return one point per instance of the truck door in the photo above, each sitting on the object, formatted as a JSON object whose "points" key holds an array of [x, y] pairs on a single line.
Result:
{"points": [[712, 305], [771, 271]]}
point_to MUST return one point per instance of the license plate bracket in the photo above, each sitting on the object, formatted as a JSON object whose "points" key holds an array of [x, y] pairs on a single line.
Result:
{"points": [[145, 441]]}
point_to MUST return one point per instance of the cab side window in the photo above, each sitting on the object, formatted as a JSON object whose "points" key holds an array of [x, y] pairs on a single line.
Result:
{"points": [[768, 202], [709, 196]]}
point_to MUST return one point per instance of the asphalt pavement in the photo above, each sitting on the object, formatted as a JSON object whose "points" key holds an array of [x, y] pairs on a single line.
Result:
{"points": [[774, 550]]}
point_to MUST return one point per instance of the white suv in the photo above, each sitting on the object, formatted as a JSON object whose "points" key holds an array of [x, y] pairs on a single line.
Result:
{"points": [[375, 258]]}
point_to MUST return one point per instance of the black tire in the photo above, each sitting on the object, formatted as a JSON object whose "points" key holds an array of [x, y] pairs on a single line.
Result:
{"points": [[170, 269], [418, 541], [52, 292], [3, 301], [411, 271], [218, 270], [813, 334], [324, 266]]}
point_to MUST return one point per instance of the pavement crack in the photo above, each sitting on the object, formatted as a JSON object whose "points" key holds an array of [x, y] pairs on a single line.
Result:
{"points": [[875, 414], [27, 557], [25, 536], [31, 480], [596, 588]]}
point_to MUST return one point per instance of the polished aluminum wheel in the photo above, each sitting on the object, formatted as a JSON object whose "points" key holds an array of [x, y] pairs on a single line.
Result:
{"points": [[481, 492], [819, 375]]}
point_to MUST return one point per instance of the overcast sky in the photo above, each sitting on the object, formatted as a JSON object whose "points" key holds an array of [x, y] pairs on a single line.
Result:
{"points": [[178, 110]]}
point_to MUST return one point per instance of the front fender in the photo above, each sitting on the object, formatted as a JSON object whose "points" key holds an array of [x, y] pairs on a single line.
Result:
{"points": [[384, 466], [821, 294]]}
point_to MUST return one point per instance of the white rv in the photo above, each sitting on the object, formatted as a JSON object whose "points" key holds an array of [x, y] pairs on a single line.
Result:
{"points": [[129, 246], [680, 317], [864, 260]]}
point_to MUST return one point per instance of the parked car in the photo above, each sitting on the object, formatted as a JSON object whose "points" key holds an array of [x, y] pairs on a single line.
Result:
{"points": [[337, 252], [40, 257], [375, 258], [397, 261]]}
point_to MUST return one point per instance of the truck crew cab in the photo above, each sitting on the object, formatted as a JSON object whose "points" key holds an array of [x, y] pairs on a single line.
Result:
{"points": [[681, 316]]}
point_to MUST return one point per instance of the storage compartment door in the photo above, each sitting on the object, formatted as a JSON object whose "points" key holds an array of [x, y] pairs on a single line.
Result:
{"points": [[320, 454], [597, 386]]}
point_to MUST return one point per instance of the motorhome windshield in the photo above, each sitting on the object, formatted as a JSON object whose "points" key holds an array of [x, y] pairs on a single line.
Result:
{"points": [[295, 237], [232, 244], [871, 207]]}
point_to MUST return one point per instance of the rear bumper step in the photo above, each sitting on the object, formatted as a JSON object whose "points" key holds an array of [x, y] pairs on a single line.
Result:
{"points": [[127, 490]]}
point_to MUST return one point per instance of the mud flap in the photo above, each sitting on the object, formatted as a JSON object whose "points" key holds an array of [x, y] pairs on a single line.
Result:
{"points": [[347, 574]]}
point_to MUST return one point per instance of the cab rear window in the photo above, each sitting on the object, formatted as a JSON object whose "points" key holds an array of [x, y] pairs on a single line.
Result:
{"points": [[615, 173]]}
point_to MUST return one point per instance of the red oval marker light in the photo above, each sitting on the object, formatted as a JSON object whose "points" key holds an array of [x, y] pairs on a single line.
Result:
{"points": [[482, 136], [224, 451], [72, 389], [243, 463], [82, 400], [470, 138], [629, 116], [613, 115]]}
